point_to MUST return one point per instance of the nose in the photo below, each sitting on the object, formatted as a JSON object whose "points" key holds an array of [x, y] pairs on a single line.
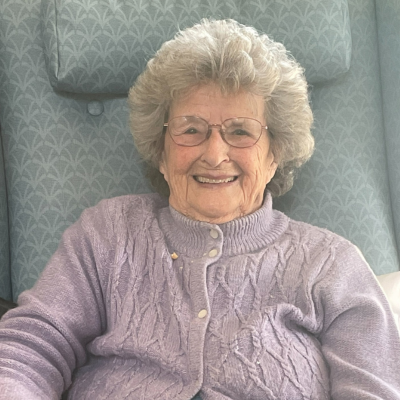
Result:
{"points": [[216, 150]]}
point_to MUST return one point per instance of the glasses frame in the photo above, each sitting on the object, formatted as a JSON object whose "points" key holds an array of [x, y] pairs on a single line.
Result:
{"points": [[210, 126]]}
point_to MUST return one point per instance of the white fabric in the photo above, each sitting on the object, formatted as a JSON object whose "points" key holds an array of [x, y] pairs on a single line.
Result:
{"points": [[391, 286]]}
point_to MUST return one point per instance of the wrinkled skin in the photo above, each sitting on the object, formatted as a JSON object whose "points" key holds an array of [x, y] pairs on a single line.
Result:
{"points": [[239, 174]]}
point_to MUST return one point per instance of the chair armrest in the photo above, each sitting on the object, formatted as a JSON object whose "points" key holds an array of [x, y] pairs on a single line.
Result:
{"points": [[390, 284], [6, 305]]}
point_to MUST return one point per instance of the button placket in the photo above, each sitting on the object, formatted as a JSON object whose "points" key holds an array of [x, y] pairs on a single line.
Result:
{"points": [[200, 314], [214, 249], [211, 246]]}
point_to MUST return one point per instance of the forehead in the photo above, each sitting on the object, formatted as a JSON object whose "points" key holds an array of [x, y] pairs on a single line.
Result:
{"points": [[209, 101]]}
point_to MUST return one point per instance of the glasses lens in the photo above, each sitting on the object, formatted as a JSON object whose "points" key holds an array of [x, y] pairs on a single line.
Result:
{"points": [[188, 131], [242, 132]]}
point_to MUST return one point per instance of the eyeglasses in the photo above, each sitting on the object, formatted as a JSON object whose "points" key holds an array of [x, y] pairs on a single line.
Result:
{"points": [[237, 132]]}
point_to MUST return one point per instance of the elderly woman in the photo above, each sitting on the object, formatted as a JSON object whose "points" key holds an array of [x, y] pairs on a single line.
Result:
{"points": [[212, 292]]}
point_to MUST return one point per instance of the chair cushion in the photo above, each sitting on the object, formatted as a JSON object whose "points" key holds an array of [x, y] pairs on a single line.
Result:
{"points": [[100, 46]]}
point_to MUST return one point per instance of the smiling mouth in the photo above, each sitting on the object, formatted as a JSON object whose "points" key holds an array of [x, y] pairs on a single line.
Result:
{"points": [[203, 179]]}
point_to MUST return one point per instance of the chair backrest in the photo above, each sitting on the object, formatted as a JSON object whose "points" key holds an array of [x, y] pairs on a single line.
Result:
{"points": [[388, 20], [66, 66], [345, 187]]}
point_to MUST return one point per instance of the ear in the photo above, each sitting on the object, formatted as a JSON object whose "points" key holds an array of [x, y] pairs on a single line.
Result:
{"points": [[162, 166], [273, 166]]}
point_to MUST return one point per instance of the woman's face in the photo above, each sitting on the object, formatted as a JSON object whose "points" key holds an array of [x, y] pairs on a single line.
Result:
{"points": [[215, 182]]}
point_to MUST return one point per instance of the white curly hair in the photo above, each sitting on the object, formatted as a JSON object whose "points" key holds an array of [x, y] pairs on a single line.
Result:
{"points": [[235, 57]]}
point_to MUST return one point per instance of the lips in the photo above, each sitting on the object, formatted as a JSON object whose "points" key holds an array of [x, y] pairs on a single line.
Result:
{"points": [[203, 179]]}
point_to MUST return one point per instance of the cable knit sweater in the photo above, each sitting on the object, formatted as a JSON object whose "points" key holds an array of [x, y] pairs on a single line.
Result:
{"points": [[140, 302]]}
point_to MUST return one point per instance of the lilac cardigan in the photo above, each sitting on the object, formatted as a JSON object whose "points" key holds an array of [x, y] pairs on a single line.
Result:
{"points": [[262, 307]]}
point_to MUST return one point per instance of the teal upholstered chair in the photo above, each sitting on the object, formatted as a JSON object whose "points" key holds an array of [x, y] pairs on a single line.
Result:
{"points": [[66, 66]]}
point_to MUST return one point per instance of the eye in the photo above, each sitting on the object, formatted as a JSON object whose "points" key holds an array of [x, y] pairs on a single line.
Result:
{"points": [[191, 131], [239, 132], [194, 128]]}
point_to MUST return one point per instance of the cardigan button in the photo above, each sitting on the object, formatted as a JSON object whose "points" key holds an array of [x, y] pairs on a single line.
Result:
{"points": [[213, 253], [202, 313], [214, 233]]}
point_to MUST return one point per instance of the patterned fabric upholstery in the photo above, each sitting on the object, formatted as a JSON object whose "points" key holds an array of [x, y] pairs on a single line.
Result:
{"points": [[101, 46], [345, 185], [388, 16], [59, 158], [64, 152]]}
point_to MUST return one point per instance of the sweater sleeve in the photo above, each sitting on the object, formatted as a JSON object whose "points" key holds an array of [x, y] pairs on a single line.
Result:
{"points": [[359, 338], [43, 340]]}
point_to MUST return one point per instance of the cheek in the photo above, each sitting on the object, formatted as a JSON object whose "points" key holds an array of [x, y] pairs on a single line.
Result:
{"points": [[259, 163], [260, 169], [176, 163]]}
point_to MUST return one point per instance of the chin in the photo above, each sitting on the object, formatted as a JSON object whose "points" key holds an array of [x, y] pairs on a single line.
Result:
{"points": [[218, 215]]}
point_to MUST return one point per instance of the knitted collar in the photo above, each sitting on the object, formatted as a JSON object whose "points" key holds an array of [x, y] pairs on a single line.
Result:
{"points": [[239, 236]]}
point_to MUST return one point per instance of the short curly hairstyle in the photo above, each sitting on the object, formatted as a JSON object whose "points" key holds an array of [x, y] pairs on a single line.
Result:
{"points": [[235, 57]]}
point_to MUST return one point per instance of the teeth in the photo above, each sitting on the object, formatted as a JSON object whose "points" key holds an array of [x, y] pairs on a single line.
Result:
{"points": [[202, 179]]}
